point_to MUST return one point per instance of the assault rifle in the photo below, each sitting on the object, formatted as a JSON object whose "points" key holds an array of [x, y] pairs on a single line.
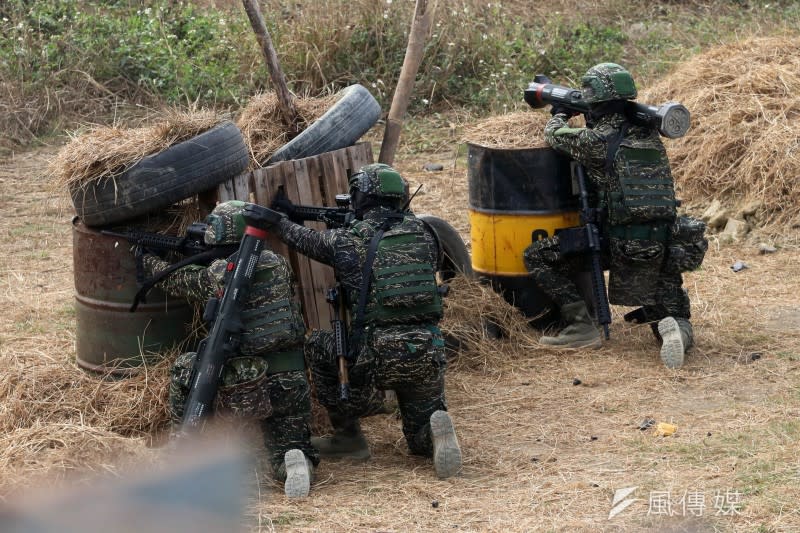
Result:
{"points": [[333, 217], [333, 297], [587, 239], [192, 244], [225, 311]]}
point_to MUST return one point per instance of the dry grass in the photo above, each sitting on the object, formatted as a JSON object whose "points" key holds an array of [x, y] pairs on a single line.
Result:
{"points": [[744, 143], [262, 126], [521, 129], [105, 151]]}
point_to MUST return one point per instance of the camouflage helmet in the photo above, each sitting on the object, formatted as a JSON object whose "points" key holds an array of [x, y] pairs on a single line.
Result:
{"points": [[607, 81], [380, 182], [225, 223]]}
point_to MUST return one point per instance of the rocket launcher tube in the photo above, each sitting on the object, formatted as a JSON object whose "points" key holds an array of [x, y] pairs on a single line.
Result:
{"points": [[671, 119]]}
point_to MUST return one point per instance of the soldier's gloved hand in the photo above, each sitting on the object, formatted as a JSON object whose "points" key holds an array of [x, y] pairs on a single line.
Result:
{"points": [[557, 109], [261, 217], [281, 202]]}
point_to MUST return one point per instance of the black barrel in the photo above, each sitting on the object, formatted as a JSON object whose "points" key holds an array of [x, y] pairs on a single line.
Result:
{"points": [[517, 196], [109, 338]]}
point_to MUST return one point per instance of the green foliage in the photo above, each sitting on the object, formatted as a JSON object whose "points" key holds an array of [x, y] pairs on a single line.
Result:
{"points": [[57, 55], [171, 49]]}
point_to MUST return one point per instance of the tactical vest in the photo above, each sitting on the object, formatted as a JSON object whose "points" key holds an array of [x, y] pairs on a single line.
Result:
{"points": [[403, 285], [644, 192], [271, 318]]}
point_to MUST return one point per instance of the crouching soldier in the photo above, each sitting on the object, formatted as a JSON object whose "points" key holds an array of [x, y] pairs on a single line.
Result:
{"points": [[266, 381], [646, 245], [385, 262]]}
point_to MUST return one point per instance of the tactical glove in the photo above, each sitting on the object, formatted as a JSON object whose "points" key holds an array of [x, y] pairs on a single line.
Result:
{"points": [[261, 217]]}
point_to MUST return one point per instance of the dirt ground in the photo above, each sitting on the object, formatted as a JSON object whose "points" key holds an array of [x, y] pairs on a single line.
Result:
{"points": [[542, 453]]}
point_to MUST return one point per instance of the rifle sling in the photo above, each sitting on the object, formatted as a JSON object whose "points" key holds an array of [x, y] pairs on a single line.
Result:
{"points": [[366, 279], [214, 253], [613, 146]]}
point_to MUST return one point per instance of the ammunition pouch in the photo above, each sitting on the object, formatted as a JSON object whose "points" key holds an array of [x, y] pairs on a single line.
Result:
{"points": [[642, 232], [243, 391], [687, 245]]}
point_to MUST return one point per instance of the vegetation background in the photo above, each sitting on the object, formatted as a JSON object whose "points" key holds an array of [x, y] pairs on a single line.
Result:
{"points": [[63, 62]]}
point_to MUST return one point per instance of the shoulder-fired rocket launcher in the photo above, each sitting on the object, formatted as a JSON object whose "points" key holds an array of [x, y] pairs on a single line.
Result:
{"points": [[671, 119]]}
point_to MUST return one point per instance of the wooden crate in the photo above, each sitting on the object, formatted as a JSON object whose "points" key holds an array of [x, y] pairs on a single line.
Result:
{"points": [[310, 181]]}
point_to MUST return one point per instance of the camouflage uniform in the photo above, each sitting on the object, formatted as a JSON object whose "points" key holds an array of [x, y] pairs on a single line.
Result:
{"points": [[268, 380], [637, 276], [404, 353], [645, 245]]}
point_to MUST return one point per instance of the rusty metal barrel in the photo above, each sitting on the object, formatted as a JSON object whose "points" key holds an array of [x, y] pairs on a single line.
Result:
{"points": [[109, 338]]}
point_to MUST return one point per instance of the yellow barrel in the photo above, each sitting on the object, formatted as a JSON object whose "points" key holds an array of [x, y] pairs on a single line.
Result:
{"points": [[517, 196]]}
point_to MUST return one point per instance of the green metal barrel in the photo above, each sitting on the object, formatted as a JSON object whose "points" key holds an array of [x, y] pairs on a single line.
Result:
{"points": [[109, 338]]}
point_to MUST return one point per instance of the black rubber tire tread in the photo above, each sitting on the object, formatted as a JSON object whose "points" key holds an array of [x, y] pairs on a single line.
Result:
{"points": [[455, 258], [159, 180], [353, 114]]}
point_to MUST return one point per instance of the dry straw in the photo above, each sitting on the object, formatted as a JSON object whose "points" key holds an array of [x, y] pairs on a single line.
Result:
{"points": [[55, 418], [107, 151], [521, 129], [263, 127], [472, 310], [744, 143]]}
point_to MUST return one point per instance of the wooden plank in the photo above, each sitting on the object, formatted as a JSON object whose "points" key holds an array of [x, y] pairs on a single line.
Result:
{"points": [[323, 276], [361, 155], [226, 191], [243, 186], [311, 181], [330, 188], [263, 192], [302, 264]]}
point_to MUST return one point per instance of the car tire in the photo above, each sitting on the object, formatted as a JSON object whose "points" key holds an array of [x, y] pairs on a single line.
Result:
{"points": [[353, 114], [453, 254], [161, 179]]}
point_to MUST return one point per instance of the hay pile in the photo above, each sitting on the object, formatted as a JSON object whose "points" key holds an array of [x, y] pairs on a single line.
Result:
{"points": [[468, 308], [521, 129], [107, 151], [744, 143], [263, 128], [55, 418]]}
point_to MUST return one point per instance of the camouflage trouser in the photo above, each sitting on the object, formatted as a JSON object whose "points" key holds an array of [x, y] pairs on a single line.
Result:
{"points": [[282, 402], [637, 276], [407, 359]]}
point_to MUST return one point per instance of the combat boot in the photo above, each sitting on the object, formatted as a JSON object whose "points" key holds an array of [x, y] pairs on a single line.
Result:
{"points": [[580, 331], [446, 451], [347, 442], [297, 471], [676, 337]]}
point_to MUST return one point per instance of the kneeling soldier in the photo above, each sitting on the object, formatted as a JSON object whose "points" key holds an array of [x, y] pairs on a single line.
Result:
{"points": [[267, 381]]}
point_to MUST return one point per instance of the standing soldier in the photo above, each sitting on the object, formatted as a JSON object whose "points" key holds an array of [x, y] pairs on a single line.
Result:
{"points": [[645, 244], [385, 263], [267, 381]]}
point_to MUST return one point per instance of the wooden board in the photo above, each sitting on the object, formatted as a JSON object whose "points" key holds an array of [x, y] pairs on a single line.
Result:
{"points": [[310, 181]]}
